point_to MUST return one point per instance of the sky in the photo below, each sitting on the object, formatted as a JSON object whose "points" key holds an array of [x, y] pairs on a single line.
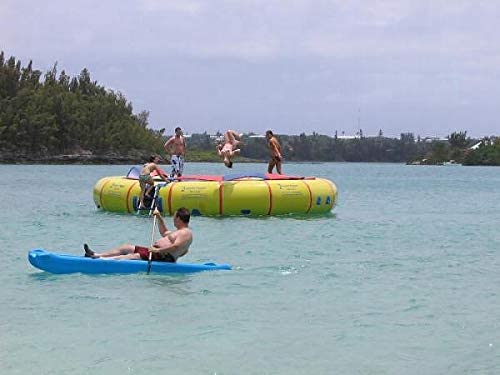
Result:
{"points": [[429, 67]]}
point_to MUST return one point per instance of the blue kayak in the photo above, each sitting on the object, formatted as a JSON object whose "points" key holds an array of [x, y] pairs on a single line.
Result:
{"points": [[64, 263]]}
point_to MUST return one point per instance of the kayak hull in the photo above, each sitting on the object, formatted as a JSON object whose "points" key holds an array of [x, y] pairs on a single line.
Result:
{"points": [[65, 264]]}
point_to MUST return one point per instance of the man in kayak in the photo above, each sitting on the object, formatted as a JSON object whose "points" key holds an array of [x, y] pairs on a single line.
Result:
{"points": [[228, 149], [275, 149], [176, 147], [169, 248]]}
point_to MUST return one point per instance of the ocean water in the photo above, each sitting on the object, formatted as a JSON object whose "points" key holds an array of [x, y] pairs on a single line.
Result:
{"points": [[402, 277]]}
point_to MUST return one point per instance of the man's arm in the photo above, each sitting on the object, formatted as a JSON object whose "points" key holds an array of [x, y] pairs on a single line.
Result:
{"points": [[274, 148], [168, 143], [162, 228], [160, 173]]}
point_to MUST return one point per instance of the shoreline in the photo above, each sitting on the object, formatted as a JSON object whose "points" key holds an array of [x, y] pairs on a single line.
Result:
{"points": [[85, 159], [78, 159], [70, 159]]}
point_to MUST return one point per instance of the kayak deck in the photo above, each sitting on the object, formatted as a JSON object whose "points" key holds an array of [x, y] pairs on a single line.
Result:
{"points": [[66, 263]]}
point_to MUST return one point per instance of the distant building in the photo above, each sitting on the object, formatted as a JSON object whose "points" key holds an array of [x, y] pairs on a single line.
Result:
{"points": [[434, 139], [476, 146], [257, 136], [483, 142], [347, 136]]}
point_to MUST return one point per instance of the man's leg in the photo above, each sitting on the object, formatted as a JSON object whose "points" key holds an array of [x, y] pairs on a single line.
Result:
{"points": [[229, 137], [149, 190], [180, 168], [126, 256], [271, 165], [150, 186], [234, 134], [124, 249], [143, 186], [173, 162], [278, 166]]}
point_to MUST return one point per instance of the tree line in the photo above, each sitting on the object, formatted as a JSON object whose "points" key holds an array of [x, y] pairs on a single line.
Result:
{"points": [[53, 113], [324, 148], [49, 114]]}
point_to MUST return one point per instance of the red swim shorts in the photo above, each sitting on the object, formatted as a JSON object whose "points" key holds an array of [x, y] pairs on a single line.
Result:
{"points": [[144, 253]]}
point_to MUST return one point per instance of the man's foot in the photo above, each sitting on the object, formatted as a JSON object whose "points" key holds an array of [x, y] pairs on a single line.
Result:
{"points": [[88, 252]]}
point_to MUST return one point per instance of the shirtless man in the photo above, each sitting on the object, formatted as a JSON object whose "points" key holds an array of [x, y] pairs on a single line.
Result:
{"points": [[146, 179], [176, 147], [275, 149], [171, 246], [227, 150]]}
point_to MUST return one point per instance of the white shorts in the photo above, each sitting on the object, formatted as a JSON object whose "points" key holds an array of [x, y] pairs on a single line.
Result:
{"points": [[177, 162]]}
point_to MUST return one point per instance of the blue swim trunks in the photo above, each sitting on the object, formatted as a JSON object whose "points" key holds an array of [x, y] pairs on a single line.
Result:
{"points": [[177, 162]]}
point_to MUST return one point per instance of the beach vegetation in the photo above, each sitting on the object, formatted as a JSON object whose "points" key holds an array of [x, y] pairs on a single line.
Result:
{"points": [[52, 117]]}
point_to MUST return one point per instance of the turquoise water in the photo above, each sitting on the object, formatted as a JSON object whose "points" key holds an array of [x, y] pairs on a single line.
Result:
{"points": [[402, 278]]}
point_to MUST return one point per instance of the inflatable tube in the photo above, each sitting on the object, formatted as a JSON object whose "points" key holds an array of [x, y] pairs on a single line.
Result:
{"points": [[254, 195], [62, 264]]}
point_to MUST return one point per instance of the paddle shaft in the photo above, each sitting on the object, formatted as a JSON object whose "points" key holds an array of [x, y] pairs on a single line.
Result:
{"points": [[152, 241], [153, 202]]}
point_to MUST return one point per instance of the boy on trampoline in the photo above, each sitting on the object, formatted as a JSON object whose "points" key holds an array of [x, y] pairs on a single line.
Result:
{"points": [[228, 149], [146, 181]]}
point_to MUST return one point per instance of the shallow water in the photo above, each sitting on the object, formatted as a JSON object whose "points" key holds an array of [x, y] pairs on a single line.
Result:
{"points": [[402, 277]]}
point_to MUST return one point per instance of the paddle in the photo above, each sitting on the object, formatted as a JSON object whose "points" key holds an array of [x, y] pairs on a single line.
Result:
{"points": [[152, 241], [153, 201]]}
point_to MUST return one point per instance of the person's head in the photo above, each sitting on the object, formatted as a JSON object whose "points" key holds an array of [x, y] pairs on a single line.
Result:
{"points": [[227, 160], [178, 131], [183, 215], [154, 158], [269, 134]]}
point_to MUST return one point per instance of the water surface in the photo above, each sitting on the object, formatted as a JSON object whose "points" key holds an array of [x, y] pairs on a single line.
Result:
{"points": [[402, 277]]}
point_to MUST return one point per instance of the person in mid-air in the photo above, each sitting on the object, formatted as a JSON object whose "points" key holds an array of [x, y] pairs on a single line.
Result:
{"points": [[229, 148]]}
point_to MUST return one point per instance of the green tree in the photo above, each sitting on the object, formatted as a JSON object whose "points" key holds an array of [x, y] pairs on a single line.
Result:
{"points": [[458, 140]]}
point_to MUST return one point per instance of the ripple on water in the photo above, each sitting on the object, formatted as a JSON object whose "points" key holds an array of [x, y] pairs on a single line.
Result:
{"points": [[402, 278]]}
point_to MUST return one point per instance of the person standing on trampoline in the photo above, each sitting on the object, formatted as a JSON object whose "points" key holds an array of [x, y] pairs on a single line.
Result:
{"points": [[176, 147], [275, 150]]}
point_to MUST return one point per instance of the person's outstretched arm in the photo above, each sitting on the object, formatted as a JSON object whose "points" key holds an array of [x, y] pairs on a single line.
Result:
{"points": [[168, 143], [275, 149], [160, 173], [162, 228]]}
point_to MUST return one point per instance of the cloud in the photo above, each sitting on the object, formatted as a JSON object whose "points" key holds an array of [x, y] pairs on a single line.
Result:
{"points": [[251, 30], [185, 6], [258, 61]]}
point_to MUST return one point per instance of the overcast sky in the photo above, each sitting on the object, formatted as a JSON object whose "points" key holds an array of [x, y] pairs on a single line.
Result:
{"points": [[427, 67]]}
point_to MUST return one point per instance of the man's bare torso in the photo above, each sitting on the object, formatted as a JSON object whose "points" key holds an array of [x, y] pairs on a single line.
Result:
{"points": [[184, 235], [177, 145]]}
